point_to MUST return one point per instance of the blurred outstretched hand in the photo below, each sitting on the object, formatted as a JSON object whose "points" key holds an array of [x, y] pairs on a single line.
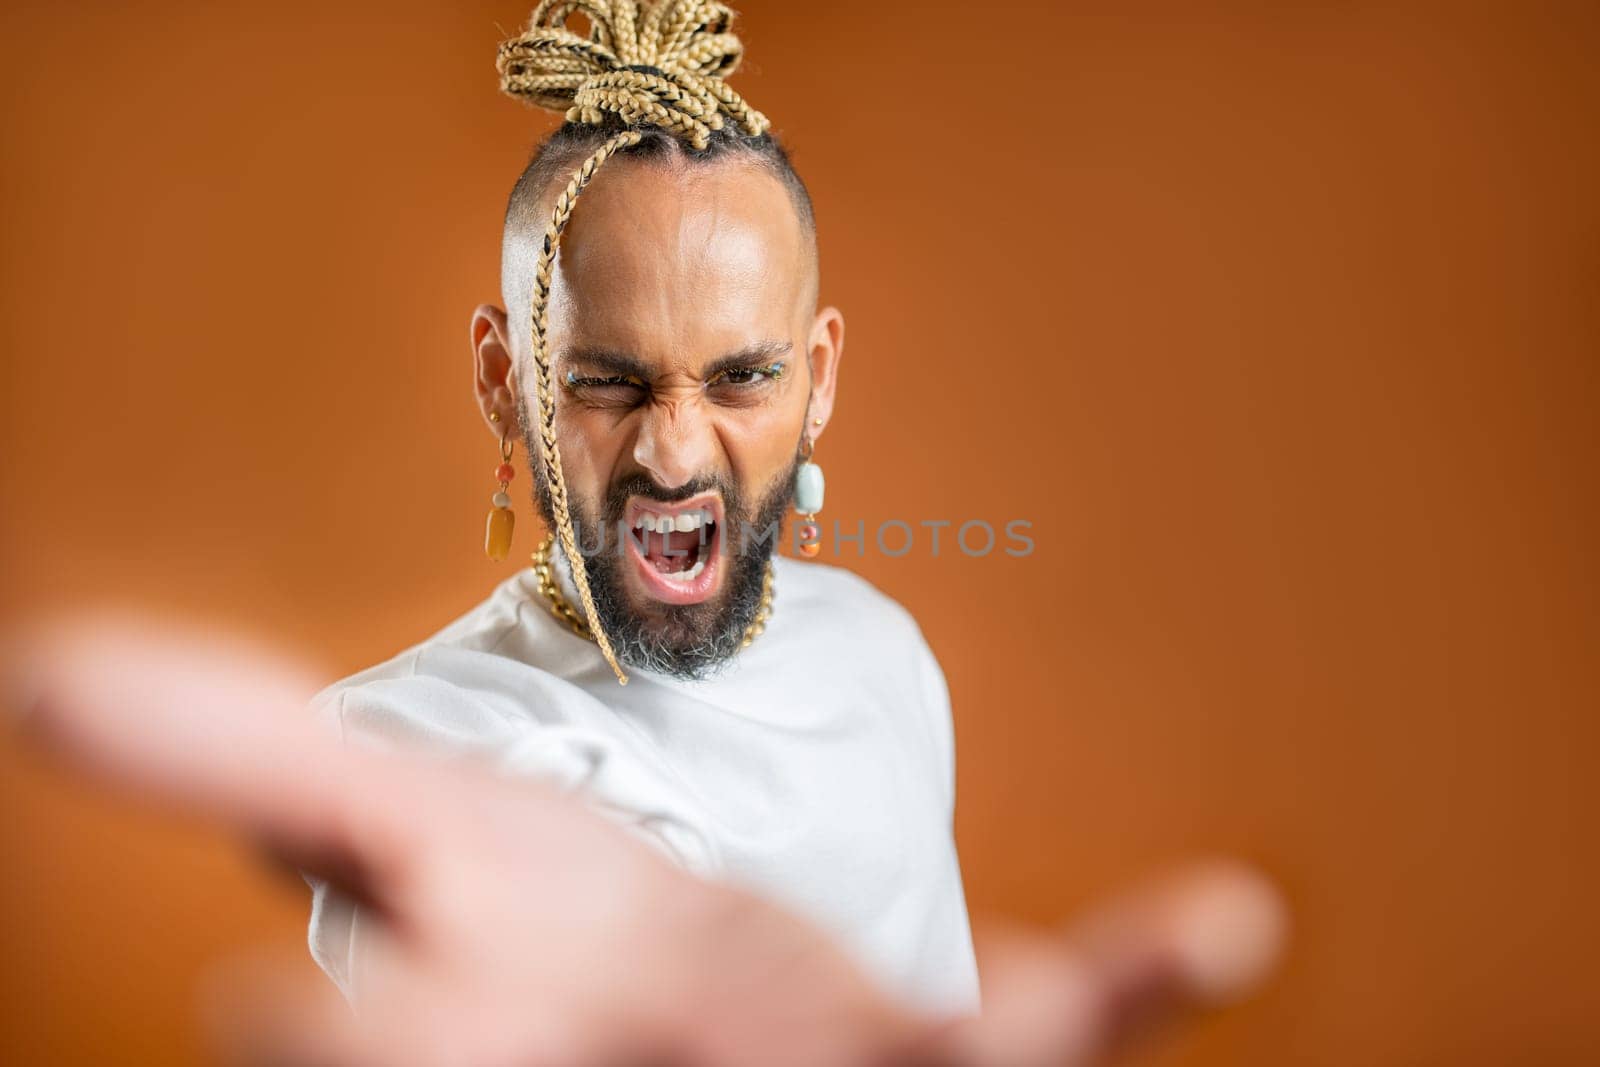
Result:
{"points": [[516, 927]]}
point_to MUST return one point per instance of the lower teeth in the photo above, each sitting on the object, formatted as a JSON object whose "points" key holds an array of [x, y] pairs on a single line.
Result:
{"points": [[686, 575]]}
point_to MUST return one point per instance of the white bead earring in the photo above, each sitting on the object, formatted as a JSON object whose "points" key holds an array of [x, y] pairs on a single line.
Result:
{"points": [[808, 486]]}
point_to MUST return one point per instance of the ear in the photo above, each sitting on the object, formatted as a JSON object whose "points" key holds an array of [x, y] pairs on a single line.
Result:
{"points": [[494, 376], [824, 349]]}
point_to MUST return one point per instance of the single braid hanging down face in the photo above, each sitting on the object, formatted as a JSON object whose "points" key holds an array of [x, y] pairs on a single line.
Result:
{"points": [[642, 67]]}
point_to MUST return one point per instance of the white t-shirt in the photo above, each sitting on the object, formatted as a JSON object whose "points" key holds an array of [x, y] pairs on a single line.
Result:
{"points": [[817, 769]]}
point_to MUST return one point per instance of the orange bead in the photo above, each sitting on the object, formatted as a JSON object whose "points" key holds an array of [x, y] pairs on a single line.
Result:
{"points": [[505, 472], [810, 548]]}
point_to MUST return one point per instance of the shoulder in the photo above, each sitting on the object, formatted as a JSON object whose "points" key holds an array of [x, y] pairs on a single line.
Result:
{"points": [[851, 603], [469, 684], [483, 630]]}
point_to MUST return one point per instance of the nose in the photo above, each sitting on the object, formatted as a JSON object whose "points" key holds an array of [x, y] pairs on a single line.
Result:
{"points": [[675, 443]]}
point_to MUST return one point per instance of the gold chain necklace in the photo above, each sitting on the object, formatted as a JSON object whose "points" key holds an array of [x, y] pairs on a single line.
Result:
{"points": [[544, 573]]}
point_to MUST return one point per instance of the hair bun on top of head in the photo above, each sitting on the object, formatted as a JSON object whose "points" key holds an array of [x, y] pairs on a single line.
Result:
{"points": [[660, 64]]}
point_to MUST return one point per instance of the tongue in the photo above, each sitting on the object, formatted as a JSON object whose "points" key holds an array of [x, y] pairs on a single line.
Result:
{"points": [[675, 551]]}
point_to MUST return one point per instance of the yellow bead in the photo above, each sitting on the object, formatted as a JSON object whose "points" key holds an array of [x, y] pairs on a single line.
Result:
{"points": [[497, 539]]}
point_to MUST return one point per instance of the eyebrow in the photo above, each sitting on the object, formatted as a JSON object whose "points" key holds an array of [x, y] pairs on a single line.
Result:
{"points": [[609, 362], [750, 356]]}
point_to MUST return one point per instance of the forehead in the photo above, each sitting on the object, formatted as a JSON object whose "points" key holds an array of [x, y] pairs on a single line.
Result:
{"points": [[662, 259]]}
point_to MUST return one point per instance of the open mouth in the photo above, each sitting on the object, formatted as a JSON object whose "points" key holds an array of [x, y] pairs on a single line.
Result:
{"points": [[674, 547]]}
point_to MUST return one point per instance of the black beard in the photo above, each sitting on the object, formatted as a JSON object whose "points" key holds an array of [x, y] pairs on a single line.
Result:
{"points": [[689, 641]]}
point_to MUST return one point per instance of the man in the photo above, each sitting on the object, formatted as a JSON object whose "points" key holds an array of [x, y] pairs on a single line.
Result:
{"points": [[783, 888], [785, 726]]}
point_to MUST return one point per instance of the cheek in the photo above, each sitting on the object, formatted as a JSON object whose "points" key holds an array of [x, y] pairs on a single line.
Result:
{"points": [[760, 447], [592, 445]]}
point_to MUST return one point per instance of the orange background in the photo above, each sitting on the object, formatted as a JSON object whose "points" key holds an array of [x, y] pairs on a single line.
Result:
{"points": [[1279, 323]]}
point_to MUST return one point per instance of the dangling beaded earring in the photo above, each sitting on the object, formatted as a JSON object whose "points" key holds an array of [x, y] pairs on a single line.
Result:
{"points": [[808, 499], [502, 520]]}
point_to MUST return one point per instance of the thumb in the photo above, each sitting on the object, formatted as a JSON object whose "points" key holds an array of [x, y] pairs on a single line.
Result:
{"points": [[1202, 938]]}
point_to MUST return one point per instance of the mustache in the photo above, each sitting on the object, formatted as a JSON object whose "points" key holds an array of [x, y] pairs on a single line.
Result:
{"points": [[642, 485]]}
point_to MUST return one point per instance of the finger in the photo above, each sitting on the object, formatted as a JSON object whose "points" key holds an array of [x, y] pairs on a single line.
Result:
{"points": [[212, 725], [1206, 936], [1203, 938], [262, 1010], [266, 1010]]}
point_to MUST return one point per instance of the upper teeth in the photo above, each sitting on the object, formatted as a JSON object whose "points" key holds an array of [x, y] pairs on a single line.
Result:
{"points": [[683, 522]]}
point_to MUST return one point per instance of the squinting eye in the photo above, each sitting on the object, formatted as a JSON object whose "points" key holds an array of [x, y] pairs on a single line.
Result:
{"points": [[747, 376], [610, 388], [580, 381]]}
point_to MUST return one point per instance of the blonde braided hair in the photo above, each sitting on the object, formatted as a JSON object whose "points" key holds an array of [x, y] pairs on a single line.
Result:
{"points": [[663, 70]]}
